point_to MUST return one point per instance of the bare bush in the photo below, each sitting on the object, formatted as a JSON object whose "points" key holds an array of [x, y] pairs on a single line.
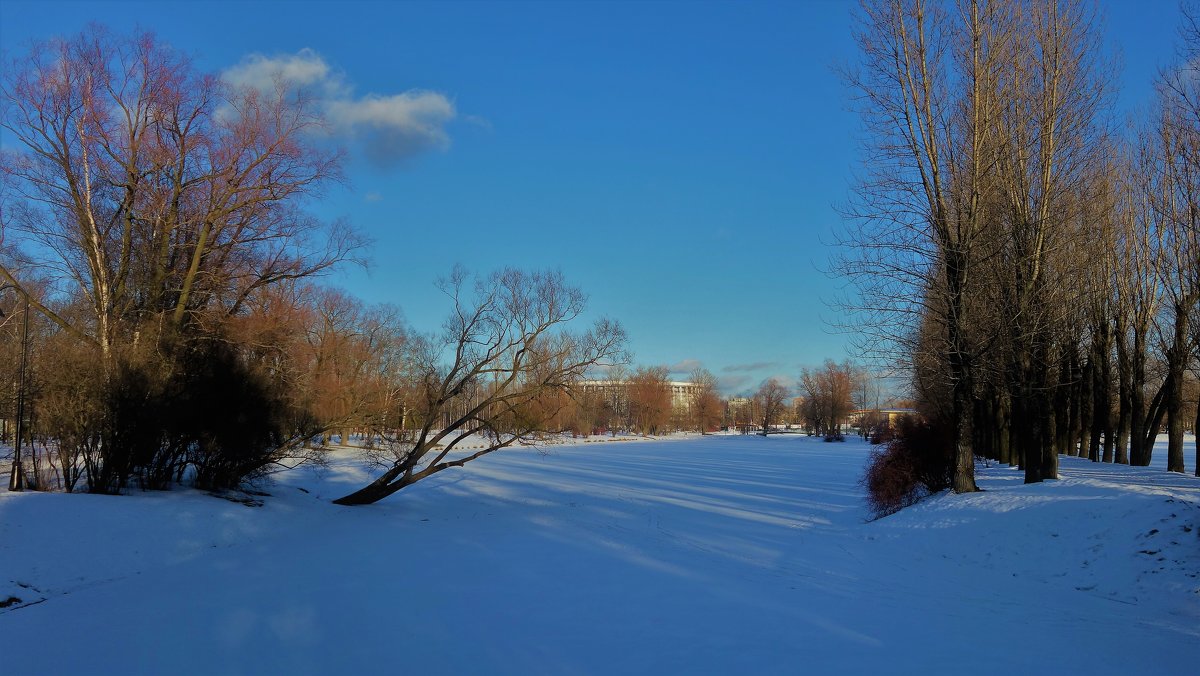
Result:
{"points": [[918, 462]]}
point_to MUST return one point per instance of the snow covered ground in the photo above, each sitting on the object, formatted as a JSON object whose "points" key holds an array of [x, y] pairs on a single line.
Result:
{"points": [[725, 554]]}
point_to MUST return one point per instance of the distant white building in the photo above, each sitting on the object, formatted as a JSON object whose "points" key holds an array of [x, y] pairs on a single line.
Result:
{"points": [[683, 393], [886, 416]]}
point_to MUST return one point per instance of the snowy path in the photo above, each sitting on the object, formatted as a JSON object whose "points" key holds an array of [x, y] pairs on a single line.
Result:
{"points": [[715, 555]]}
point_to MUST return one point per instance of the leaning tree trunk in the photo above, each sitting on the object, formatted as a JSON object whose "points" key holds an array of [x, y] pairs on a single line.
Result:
{"points": [[395, 478], [1154, 420], [369, 494]]}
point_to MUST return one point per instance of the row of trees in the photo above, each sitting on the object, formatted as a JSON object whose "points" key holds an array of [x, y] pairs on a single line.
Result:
{"points": [[825, 399], [1035, 265], [829, 396], [641, 402], [155, 232]]}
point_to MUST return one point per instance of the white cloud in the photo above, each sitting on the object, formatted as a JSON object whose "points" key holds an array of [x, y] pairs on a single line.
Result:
{"points": [[388, 127], [302, 69], [478, 121], [395, 126]]}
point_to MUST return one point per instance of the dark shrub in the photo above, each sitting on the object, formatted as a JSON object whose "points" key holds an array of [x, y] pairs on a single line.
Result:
{"points": [[882, 434], [185, 409], [132, 436], [227, 416], [917, 462]]}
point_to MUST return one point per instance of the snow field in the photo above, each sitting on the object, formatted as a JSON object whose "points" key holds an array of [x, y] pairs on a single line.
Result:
{"points": [[705, 555]]}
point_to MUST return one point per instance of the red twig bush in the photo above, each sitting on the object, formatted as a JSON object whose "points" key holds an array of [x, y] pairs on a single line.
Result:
{"points": [[918, 462]]}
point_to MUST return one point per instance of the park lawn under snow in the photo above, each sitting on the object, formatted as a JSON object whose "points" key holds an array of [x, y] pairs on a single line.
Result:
{"points": [[724, 554]]}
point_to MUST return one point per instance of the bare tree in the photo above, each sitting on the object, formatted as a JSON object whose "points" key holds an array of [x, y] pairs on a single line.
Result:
{"points": [[158, 202], [649, 399], [828, 396], [1055, 87], [867, 393], [501, 357], [1136, 276], [1174, 172], [157, 190], [352, 357], [970, 225], [927, 92], [706, 409], [772, 398]]}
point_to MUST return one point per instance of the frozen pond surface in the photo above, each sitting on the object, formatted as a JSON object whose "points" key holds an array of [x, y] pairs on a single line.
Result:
{"points": [[719, 554]]}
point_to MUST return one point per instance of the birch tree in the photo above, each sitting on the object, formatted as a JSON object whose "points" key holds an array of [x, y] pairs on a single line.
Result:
{"points": [[150, 189]]}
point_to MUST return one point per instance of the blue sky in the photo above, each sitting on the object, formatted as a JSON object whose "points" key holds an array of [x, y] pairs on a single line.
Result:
{"points": [[681, 161]]}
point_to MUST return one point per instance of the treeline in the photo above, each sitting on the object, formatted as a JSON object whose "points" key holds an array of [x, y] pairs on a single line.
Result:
{"points": [[162, 317], [1034, 261], [641, 401]]}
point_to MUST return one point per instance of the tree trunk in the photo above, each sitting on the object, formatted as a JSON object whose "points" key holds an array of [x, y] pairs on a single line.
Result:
{"points": [[1028, 433], [1086, 408], [981, 429], [1124, 387], [1074, 423], [1004, 431], [368, 495], [1049, 449], [1103, 396], [1040, 376], [1154, 418], [378, 489], [960, 371], [1196, 434], [1097, 403], [1177, 358], [1138, 452]]}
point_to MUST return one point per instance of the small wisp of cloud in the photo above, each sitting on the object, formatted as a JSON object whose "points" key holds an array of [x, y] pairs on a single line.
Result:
{"points": [[685, 366], [745, 368], [388, 128], [729, 385], [787, 380]]}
